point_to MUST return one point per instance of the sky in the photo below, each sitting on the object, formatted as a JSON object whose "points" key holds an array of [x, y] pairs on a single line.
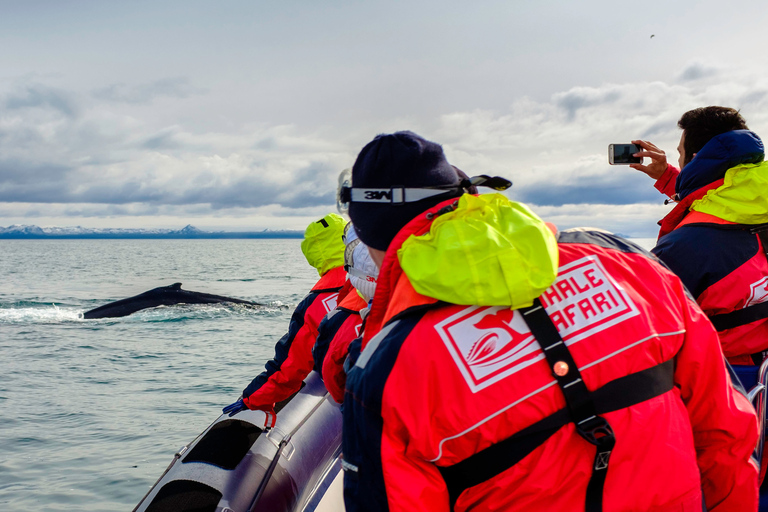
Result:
{"points": [[239, 115]]}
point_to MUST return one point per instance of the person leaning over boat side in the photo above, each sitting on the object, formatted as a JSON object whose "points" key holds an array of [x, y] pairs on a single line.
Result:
{"points": [[324, 250], [452, 403], [341, 326], [710, 238]]}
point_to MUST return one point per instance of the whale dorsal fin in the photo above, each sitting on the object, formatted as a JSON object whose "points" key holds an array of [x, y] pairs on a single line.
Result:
{"points": [[175, 286]]}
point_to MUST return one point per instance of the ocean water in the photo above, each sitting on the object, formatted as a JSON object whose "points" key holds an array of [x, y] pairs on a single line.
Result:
{"points": [[92, 411]]}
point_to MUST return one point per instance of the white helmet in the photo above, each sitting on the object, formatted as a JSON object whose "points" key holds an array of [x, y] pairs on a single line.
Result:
{"points": [[359, 264]]}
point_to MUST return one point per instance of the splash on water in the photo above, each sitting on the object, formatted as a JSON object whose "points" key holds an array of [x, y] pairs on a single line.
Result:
{"points": [[51, 314]]}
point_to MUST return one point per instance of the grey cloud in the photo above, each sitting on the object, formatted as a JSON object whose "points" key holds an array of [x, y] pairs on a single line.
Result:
{"points": [[575, 99], [120, 193], [265, 143], [161, 141], [606, 190], [16, 172], [697, 71], [31, 96], [308, 199], [60, 184], [658, 129], [144, 93], [753, 97]]}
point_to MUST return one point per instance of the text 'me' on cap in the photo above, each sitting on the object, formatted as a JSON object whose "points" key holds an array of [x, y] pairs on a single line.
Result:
{"points": [[401, 159]]}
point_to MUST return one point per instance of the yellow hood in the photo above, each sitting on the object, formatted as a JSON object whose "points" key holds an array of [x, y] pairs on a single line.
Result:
{"points": [[742, 198], [323, 245], [490, 251]]}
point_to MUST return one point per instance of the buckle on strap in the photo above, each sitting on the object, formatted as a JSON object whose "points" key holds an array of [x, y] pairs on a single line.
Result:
{"points": [[598, 432]]}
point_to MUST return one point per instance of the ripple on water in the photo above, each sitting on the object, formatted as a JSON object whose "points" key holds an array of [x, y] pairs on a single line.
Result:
{"points": [[93, 410]]}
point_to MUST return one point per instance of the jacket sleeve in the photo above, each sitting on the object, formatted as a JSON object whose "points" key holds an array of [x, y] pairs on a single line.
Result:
{"points": [[666, 182], [723, 421], [412, 483], [325, 334], [292, 362], [335, 378]]}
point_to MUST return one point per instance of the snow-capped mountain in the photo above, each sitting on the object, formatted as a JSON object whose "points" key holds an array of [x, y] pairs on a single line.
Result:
{"points": [[189, 231]]}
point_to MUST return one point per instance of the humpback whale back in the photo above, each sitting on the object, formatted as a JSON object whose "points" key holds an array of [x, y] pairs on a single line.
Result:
{"points": [[161, 296]]}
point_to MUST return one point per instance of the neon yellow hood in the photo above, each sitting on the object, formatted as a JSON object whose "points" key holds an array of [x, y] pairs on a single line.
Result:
{"points": [[490, 251], [742, 198], [323, 246]]}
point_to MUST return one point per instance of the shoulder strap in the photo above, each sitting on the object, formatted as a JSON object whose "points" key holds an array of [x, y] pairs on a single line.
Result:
{"points": [[583, 408]]}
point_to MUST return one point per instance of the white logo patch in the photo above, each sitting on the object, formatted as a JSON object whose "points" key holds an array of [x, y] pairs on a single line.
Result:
{"points": [[330, 302], [758, 292], [491, 343]]}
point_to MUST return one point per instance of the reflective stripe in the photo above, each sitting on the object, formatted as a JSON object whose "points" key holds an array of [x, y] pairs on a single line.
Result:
{"points": [[346, 466], [372, 345], [536, 392]]}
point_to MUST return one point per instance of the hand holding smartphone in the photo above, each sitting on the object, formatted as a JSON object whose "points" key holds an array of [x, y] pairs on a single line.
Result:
{"points": [[621, 154]]}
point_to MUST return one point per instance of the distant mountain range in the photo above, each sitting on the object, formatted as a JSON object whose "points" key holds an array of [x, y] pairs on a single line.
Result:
{"points": [[18, 231]]}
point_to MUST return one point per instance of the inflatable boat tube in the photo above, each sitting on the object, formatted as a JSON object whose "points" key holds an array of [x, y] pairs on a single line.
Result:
{"points": [[239, 465]]}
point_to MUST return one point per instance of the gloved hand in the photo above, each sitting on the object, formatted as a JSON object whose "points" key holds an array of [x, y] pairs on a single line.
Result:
{"points": [[234, 408]]}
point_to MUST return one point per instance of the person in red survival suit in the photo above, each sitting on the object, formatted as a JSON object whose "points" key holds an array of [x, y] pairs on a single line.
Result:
{"points": [[324, 249], [341, 326], [453, 403], [716, 237]]}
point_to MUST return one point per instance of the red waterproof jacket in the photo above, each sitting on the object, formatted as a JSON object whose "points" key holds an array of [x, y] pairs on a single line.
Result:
{"points": [[333, 372], [437, 383], [293, 353], [719, 261]]}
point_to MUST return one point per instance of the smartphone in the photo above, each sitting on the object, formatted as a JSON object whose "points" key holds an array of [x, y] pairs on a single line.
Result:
{"points": [[621, 154]]}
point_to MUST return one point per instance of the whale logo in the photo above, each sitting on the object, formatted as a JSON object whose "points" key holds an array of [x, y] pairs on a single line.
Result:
{"points": [[758, 292]]}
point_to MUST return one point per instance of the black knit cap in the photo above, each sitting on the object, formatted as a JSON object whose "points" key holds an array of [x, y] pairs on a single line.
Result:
{"points": [[401, 159]]}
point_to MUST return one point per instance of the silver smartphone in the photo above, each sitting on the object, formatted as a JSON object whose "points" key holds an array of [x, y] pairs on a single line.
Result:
{"points": [[621, 154]]}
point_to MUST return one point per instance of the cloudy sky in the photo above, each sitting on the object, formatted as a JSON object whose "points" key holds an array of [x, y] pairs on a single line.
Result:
{"points": [[240, 114]]}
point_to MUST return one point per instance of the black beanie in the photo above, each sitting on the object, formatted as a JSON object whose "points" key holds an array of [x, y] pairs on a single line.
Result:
{"points": [[401, 159]]}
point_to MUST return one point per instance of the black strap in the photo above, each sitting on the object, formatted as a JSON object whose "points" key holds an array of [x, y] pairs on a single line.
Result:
{"points": [[752, 313], [762, 233], [593, 428], [618, 394], [739, 317]]}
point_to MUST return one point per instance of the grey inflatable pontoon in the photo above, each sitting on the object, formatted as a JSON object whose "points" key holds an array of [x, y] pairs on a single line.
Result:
{"points": [[237, 465]]}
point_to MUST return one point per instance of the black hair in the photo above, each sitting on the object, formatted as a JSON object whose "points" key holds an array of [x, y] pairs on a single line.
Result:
{"points": [[701, 124]]}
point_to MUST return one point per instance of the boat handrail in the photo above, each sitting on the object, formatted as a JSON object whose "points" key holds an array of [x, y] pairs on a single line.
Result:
{"points": [[758, 395]]}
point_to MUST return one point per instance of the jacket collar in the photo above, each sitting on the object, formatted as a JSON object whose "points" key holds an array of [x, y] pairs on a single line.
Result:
{"points": [[673, 219], [331, 280], [717, 156]]}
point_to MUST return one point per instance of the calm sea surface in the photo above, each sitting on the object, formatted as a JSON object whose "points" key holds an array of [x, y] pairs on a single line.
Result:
{"points": [[92, 411]]}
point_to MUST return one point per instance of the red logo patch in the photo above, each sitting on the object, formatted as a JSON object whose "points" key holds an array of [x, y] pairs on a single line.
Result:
{"points": [[491, 343]]}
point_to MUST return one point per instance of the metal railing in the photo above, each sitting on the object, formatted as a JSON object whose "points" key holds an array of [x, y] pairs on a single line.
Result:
{"points": [[758, 395]]}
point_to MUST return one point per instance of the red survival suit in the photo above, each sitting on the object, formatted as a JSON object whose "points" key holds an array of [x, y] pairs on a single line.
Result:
{"points": [[721, 262], [336, 332], [293, 353], [437, 383]]}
